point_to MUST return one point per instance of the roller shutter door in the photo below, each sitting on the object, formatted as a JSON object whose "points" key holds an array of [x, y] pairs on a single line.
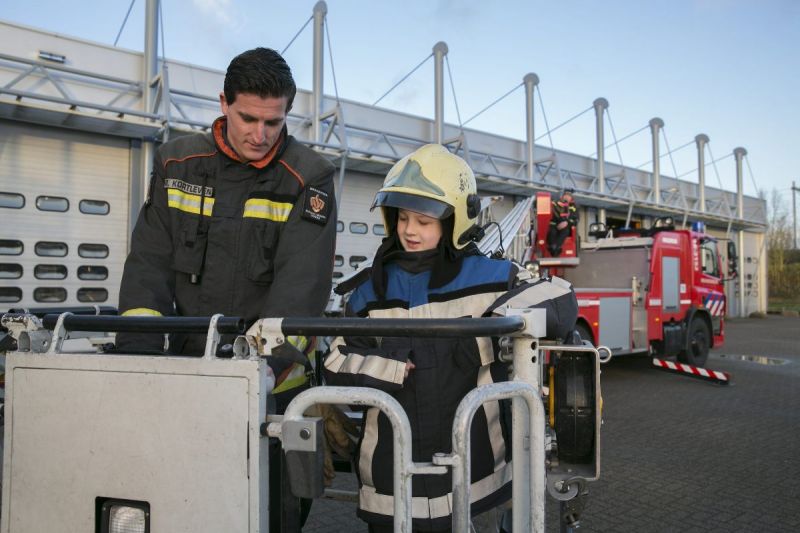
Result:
{"points": [[64, 211], [360, 231]]}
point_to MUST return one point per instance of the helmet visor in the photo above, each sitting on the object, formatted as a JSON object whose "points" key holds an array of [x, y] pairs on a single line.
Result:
{"points": [[418, 204]]}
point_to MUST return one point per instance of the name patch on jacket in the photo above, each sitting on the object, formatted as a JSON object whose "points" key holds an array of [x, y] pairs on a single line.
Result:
{"points": [[316, 205], [188, 188]]}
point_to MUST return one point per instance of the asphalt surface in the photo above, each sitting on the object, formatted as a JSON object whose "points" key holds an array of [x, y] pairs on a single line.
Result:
{"points": [[680, 454]]}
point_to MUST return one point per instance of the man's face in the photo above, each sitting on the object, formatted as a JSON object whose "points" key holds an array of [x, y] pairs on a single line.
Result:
{"points": [[254, 123]]}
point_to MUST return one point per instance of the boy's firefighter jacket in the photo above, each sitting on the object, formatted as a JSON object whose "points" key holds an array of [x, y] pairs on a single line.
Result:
{"points": [[446, 370]]}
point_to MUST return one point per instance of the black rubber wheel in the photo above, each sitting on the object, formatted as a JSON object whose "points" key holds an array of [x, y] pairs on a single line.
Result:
{"points": [[698, 343], [585, 333], [574, 408]]}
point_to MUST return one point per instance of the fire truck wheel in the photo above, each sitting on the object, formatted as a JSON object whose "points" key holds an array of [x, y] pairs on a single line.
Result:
{"points": [[698, 343], [574, 408], [584, 331]]}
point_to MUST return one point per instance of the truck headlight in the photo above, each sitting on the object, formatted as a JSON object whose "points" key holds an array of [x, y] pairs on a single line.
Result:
{"points": [[125, 516]]}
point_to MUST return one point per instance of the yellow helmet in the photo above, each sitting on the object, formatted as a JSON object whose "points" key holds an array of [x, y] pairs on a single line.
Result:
{"points": [[434, 182]]}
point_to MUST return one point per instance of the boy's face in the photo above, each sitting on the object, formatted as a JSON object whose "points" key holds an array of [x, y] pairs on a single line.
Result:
{"points": [[418, 232], [254, 123]]}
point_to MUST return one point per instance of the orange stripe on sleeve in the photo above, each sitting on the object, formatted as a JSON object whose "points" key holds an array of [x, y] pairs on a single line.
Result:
{"points": [[174, 160], [293, 172]]}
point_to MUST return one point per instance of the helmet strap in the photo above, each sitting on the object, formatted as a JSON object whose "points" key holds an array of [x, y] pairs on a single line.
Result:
{"points": [[473, 234]]}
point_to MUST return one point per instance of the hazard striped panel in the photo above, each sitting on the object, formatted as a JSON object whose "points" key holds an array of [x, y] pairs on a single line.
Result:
{"points": [[715, 303], [715, 375]]}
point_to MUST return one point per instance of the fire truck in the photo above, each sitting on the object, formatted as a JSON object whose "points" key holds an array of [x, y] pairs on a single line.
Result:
{"points": [[656, 291]]}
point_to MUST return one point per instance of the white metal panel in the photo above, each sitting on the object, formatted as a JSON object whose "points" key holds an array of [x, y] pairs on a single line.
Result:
{"points": [[196, 457], [38, 161], [670, 283], [615, 323]]}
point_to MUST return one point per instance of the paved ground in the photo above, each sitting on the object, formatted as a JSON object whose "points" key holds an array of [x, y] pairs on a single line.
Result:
{"points": [[685, 455]]}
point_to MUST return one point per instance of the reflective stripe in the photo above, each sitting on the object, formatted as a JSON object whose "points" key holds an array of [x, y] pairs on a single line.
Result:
{"points": [[492, 412], [485, 349], [374, 366], [141, 311], [368, 445], [531, 295], [335, 358], [189, 203], [268, 209], [301, 343], [432, 508], [295, 378]]}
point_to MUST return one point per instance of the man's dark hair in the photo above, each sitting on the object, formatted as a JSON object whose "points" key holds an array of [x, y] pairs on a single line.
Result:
{"points": [[262, 72]]}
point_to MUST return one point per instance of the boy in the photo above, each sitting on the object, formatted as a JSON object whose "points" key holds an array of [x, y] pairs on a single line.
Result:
{"points": [[428, 267]]}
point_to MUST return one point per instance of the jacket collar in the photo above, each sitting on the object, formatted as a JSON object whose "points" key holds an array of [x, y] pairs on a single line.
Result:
{"points": [[218, 130], [444, 264]]}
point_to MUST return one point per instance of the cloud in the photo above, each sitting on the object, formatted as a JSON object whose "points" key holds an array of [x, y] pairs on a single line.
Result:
{"points": [[218, 12], [460, 10]]}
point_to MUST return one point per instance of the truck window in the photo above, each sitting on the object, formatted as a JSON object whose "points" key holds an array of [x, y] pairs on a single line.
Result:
{"points": [[708, 253]]}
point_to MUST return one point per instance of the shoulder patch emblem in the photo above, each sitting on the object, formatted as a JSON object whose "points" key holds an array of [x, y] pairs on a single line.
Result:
{"points": [[316, 205]]}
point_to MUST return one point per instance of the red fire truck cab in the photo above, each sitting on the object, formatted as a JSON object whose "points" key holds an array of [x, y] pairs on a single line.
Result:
{"points": [[658, 291]]}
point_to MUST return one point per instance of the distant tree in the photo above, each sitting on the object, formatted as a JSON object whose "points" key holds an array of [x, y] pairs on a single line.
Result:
{"points": [[783, 270]]}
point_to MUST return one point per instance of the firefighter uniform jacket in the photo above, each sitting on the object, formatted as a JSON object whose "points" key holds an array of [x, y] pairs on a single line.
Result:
{"points": [[445, 371], [564, 211], [217, 235]]}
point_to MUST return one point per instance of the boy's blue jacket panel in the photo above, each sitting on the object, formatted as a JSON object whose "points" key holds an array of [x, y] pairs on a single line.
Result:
{"points": [[445, 371]]}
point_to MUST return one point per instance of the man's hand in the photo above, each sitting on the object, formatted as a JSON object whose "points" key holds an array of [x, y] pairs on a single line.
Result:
{"points": [[563, 224]]}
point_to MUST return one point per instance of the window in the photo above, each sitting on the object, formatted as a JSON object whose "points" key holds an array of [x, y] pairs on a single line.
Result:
{"points": [[92, 272], [11, 247], [10, 271], [51, 249], [50, 294], [339, 226], [708, 255], [92, 295], [356, 259], [93, 251], [378, 229], [358, 228], [10, 295], [50, 272], [338, 260], [52, 203], [337, 275], [94, 207], [12, 200]]}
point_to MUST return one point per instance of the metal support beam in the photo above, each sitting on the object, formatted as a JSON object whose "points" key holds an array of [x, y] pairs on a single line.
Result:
{"points": [[795, 190], [739, 153], [530, 80], [655, 127], [600, 106], [320, 10], [701, 141], [149, 73], [439, 51]]}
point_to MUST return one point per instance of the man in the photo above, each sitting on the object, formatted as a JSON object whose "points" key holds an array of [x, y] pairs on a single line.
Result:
{"points": [[564, 218], [239, 221]]}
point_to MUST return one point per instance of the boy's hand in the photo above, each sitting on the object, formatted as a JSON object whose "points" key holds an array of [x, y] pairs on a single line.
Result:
{"points": [[409, 367]]}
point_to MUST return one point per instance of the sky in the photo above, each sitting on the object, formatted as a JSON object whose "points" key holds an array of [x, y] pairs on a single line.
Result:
{"points": [[727, 68]]}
